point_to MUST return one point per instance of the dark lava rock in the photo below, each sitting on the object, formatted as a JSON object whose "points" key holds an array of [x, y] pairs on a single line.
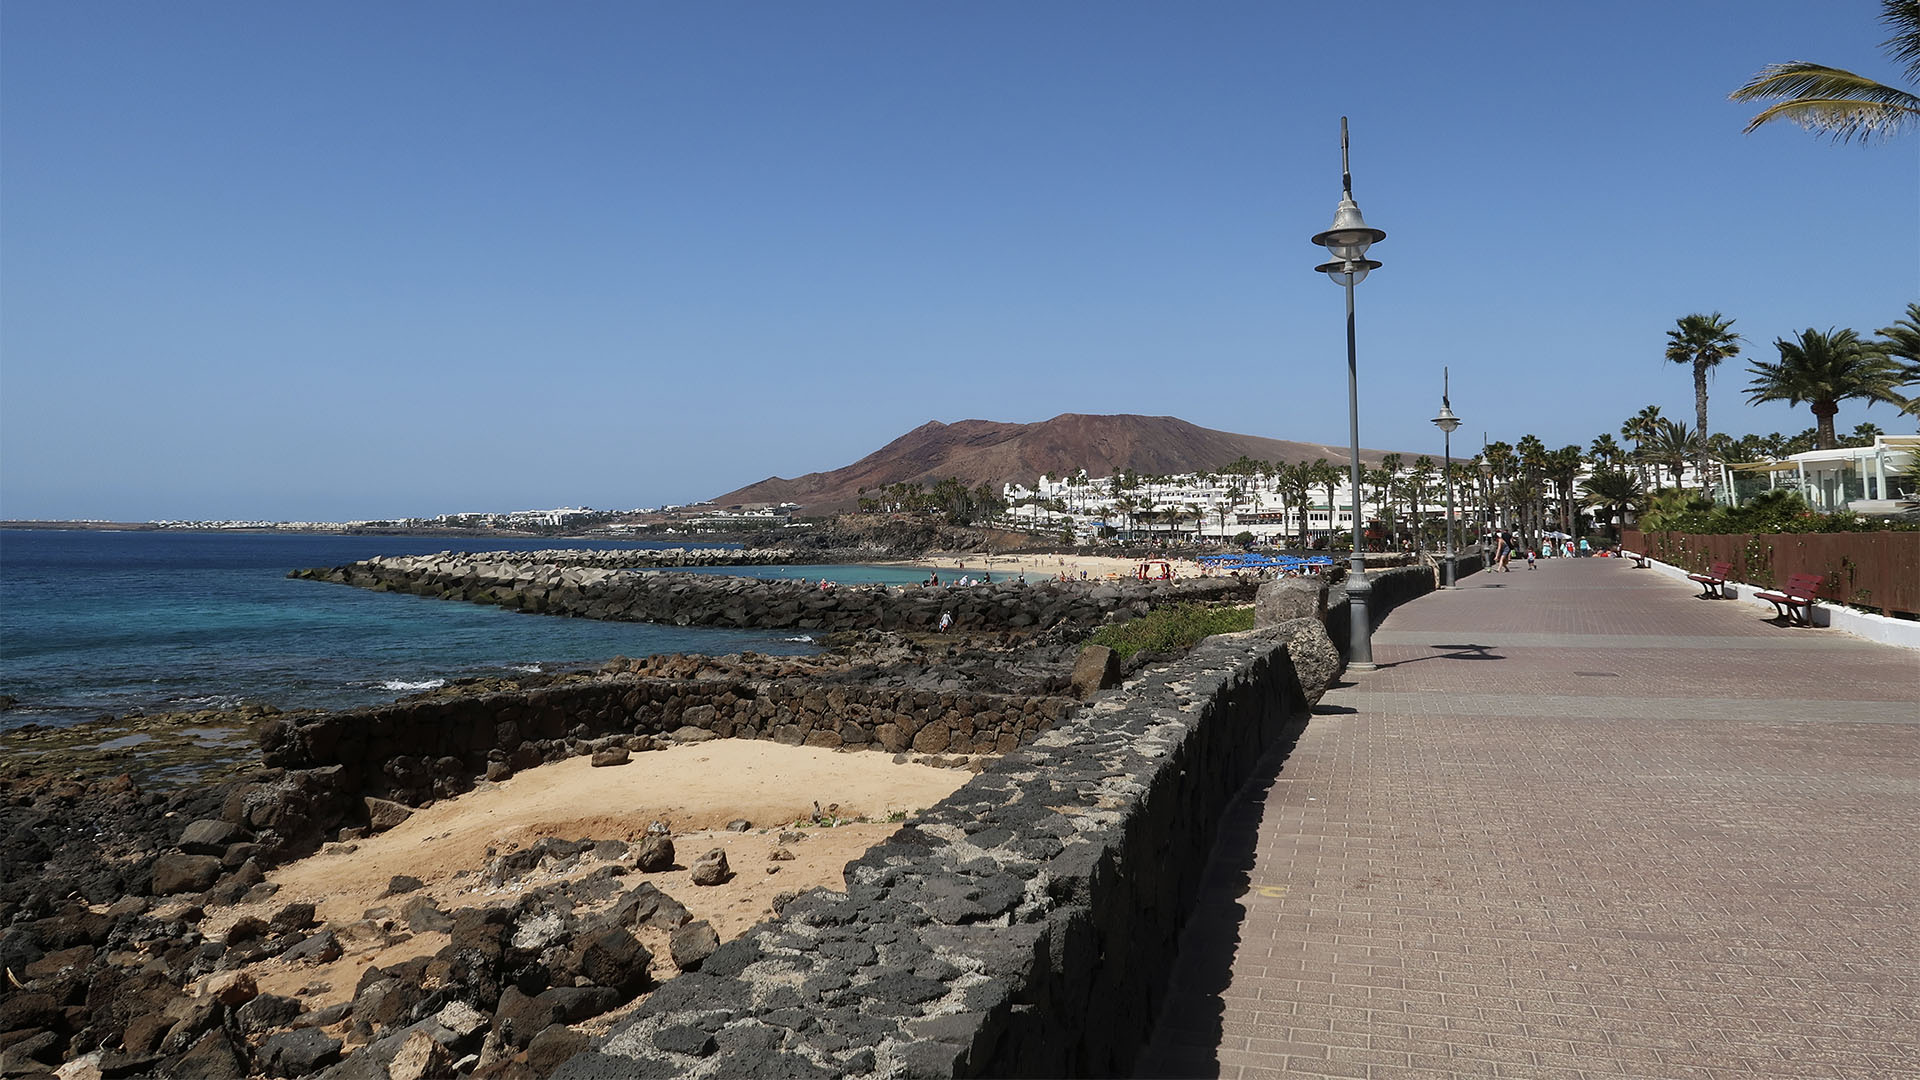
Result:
{"points": [[180, 873], [298, 1052], [423, 916], [653, 853], [691, 944], [21, 1012], [400, 884], [320, 948], [211, 836], [554, 1045], [611, 957], [266, 1012], [685, 1039], [293, 917], [213, 1057], [711, 868]]}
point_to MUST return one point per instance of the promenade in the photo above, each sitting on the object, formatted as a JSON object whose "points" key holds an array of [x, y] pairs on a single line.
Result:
{"points": [[1579, 823]]}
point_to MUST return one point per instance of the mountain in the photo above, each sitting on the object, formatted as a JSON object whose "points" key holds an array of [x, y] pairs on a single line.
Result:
{"points": [[991, 452]]}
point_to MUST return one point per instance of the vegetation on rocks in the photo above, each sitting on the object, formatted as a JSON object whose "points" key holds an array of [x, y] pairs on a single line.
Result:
{"points": [[1175, 628]]}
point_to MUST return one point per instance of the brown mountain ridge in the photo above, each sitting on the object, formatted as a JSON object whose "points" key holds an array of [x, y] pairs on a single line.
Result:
{"points": [[994, 453]]}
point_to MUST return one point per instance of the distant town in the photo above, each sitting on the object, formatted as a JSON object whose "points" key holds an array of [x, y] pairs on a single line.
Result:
{"points": [[568, 521]]}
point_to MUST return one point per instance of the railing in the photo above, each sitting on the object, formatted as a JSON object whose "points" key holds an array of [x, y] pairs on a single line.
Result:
{"points": [[1875, 570]]}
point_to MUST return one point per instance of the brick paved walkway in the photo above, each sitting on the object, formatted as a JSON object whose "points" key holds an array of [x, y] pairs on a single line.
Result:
{"points": [[1566, 831]]}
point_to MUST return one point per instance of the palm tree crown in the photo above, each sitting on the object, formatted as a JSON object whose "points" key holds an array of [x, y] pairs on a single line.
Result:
{"points": [[1840, 104], [1901, 343], [1822, 370], [1702, 341]]}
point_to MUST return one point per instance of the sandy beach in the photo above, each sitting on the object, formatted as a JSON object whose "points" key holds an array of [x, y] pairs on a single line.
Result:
{"points": [[1040, 567], [697, 789]]}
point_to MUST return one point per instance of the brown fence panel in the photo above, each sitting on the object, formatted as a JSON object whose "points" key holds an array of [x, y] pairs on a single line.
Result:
{"points": [[1879, 569]]}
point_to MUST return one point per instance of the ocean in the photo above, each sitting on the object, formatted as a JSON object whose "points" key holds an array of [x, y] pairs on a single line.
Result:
{"points": [[95, 622]]}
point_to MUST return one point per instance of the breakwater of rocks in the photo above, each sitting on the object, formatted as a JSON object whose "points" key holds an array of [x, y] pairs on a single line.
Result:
{"points": [[532, 584]]}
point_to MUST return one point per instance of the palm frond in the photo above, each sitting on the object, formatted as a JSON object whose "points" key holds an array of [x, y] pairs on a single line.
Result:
{"points": [[1830, 101], [1903, 18]]}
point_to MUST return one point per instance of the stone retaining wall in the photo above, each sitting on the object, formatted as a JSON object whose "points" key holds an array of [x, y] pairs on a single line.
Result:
{"points": [[1024, 926], [415, 752], [726, 600]]}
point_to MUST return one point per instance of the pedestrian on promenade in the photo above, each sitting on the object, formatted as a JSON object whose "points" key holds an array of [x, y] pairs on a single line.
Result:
{"points": [[1530, 557], [1503, 554]]}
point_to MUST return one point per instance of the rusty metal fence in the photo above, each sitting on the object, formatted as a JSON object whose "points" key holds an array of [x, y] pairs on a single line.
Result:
{"points": [[1879, 570]]}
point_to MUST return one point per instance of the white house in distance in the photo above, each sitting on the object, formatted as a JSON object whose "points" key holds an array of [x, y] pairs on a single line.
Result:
{"points": [[1197, 506], [1864, 479]]}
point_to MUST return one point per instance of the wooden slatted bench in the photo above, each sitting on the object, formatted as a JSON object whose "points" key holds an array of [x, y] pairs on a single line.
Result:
{"points": [[1712, 580], [1640, 562], [1795, 601]]}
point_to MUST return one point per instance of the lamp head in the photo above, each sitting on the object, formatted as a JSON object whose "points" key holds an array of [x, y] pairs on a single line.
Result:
{"points": [[1350, 236], [1351, 272], [1446, 421]]}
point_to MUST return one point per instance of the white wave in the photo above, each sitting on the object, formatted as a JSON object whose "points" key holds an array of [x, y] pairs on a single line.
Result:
{"points": [[399, 685], [531, 669], [802, 637]]}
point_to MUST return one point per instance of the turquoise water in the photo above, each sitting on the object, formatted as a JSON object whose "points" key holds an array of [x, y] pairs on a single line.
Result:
{"points": [[116, 622]]}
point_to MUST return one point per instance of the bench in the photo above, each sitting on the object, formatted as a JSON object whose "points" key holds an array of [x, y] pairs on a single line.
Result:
{"points": [[1640, 562], [1711, 581], [1795, 601]]}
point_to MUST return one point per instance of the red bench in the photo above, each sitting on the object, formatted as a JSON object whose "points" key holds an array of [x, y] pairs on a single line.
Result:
{"points": [[1640, 562], [1795, 601], [1711, 581]]}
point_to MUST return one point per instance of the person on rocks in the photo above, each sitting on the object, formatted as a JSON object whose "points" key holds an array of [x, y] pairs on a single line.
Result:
{"points": [[946, 621]]}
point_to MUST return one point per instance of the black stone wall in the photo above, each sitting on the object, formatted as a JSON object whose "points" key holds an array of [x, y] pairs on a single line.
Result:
{"points": [[1022, 927]]}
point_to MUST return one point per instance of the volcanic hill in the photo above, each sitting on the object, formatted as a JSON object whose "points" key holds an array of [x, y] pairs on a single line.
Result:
{"points": [[991, 452]]}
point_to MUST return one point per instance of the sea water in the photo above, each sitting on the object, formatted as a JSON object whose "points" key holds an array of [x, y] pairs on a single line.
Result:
{"points": [[96, 622]]}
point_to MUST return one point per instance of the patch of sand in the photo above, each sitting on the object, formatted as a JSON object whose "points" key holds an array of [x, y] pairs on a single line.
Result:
{"points": [[1043, 567], [697, 789]]}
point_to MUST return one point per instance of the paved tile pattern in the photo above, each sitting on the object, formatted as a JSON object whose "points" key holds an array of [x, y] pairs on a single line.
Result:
{"points": [[1660, 869]]}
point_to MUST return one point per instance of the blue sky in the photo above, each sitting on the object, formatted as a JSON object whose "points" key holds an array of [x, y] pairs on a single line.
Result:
{"points": [[359, 260]]}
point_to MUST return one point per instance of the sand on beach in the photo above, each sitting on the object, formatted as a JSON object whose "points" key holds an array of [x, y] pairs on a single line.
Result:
{"points": [[1041, 567], [697, 789]]}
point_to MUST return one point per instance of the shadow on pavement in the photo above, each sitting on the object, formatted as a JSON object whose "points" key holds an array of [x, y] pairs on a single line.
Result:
{"points": [[1456, 652], [1186, 1038]]}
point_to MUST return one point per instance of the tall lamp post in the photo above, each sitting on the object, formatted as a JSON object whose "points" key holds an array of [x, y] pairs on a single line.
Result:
{"points": [[1348, 242], [1447, 422], [1486, 538]]}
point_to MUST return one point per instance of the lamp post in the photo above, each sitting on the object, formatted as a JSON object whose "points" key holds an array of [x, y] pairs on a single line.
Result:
{"points": [[1447, 422], [1347, 241], [1486, 474]]}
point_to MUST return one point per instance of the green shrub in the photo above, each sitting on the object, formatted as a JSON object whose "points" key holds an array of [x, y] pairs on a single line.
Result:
{"points": [[1171, 628], [1770, 512]]}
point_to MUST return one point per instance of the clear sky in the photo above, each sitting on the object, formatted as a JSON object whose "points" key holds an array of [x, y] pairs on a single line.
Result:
{"points": [[344, 260]]}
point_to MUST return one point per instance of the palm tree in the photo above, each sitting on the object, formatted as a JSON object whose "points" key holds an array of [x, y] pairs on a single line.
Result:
{"points": [[1839, 104], [1823, 370], [1638, 427], [1563, 468], [1327, 475], [1604, 450], [1615, 489], [1901, 342], [1702, 341], [1297, 480], [1671, 444]]}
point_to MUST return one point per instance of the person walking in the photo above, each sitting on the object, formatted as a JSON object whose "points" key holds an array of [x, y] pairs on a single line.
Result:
{"points": [[1503, 554]]}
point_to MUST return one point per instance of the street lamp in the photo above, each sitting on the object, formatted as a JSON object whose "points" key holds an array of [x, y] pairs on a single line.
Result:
{"points": [[1486, 475], [1347, 242], [1447, 422]]}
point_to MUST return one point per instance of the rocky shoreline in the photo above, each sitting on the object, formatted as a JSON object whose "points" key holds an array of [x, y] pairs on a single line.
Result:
{"points": [[122, 955], [534, 584]]}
